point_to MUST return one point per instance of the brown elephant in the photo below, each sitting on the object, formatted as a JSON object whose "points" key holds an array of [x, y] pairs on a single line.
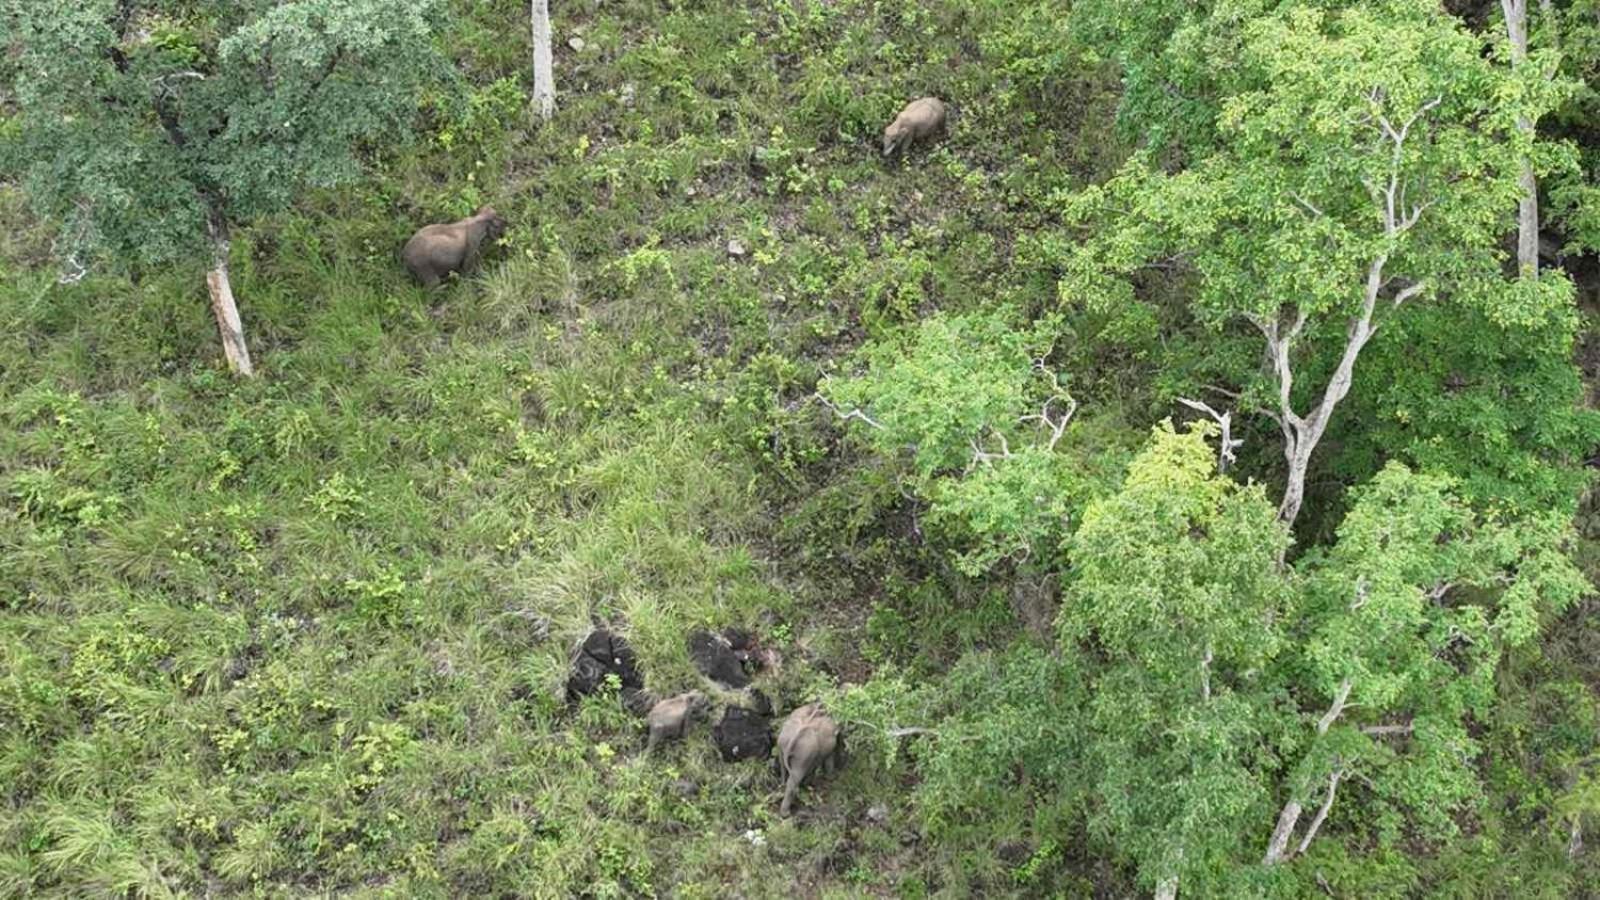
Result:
{"points": [[809, 739], [669, 719], [437, 250], [921, 119]]}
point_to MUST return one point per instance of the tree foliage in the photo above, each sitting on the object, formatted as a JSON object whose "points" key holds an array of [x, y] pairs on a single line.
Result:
{"points": [[139, 120], [1363, 163]]}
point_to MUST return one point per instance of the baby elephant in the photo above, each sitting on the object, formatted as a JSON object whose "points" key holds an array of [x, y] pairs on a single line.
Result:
{"points": [[808, 739], [437, 250], [669, 719], [921, 119]]}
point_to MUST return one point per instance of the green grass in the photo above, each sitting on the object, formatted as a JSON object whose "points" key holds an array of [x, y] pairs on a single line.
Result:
{"points": [[308, 633]]}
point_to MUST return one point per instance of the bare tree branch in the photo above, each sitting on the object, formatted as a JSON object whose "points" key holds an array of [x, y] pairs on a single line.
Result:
{"points": [[852, 414], [1387, 730], [1327, 804], [1334, 711], [1229, 443]]}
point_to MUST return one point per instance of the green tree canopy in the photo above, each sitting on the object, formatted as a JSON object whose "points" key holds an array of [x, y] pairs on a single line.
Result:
{"points": [[148, 129], [1365, 164]]}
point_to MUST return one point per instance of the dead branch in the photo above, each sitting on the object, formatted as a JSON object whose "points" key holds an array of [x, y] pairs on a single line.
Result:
{"points": [[852, 414], [1229, 443]]}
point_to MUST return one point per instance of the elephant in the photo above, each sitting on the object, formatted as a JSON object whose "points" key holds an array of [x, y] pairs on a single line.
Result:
{"points": [[437, 250], [809, 739], [669, 719], [921, 119]]}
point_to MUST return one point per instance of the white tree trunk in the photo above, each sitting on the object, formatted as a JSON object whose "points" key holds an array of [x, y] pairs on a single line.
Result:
{"points": [[229, 325], [1289, 816], [1528, 206], [544, 88], [1301, 433]]}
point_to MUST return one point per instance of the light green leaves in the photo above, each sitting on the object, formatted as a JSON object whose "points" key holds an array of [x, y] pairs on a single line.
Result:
{"points": [[982, 416], [1179, 564]]}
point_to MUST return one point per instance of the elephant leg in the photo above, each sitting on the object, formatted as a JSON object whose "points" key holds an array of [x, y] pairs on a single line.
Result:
{"points": [[790, 790]]}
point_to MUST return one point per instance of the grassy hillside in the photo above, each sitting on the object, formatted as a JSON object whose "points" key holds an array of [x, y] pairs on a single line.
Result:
{"points": [[308, 634]]}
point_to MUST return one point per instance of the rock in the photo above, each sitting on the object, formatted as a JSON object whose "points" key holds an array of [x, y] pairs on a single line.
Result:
{"points": [[743, 734], [877, 814], [716, 659], [686, 788], [577, 44], [603, 653], [626, 95], [736, 248]]}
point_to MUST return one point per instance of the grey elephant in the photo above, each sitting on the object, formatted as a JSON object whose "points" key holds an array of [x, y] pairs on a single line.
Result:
{"points": [[808, 740], [669, 719], [921, 119], [437, 250]]}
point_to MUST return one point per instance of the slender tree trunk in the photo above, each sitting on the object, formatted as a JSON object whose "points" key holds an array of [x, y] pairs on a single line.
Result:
{"points": [[1289, 816], [544, 89], [1516, 12], [1301, 433], [227, 312]]}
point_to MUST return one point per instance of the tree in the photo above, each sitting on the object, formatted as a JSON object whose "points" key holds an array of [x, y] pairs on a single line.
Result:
{"points": [[1204, 658], [986, 423], [1360, 156], [1176, 587], [1516, 13], [544, 89], [151, 130]]}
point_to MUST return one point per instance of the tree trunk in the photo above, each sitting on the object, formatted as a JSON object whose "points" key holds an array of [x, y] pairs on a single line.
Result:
{"points": [[1516, 12], [1278, 845], [227, 312], [544, 89], [1289, 816]]}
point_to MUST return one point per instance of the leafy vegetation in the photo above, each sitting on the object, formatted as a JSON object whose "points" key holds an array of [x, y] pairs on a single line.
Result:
{"points": [[915, 424]]}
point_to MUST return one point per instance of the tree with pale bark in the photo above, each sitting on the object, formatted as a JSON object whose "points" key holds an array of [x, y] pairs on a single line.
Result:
{"points": [[1232, 696], [544, 88], [1362, 165], [150, 131]]}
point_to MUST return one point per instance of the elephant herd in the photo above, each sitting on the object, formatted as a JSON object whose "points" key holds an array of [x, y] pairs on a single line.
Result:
{"points": [[436, 251], [807, 742]]}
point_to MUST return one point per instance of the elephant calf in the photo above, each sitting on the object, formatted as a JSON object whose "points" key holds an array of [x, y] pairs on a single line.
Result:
{"points": [[809, 739], [437, 250], [669, 719], [921, 119]]}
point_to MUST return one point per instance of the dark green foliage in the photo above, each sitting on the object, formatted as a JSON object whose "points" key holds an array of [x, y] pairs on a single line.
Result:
{"points": [[138, 120]]}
